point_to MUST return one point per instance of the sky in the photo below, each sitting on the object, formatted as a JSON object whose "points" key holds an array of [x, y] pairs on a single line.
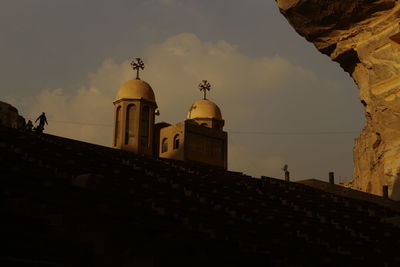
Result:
{"points": [[283, 102]]}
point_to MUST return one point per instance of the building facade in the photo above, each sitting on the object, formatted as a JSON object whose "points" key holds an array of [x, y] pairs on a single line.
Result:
{"points": [[200, 138], [134, 116]]}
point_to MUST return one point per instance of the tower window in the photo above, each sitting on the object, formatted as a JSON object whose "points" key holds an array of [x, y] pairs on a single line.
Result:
{"points": [[117, 125], [130, 123], [164, 145], [176, 141], [144, 127]]}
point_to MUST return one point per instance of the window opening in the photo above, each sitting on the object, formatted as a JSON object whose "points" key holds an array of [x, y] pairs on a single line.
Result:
{"points": [[130, 124], [117, 125], [164, 146], [176, 141]]}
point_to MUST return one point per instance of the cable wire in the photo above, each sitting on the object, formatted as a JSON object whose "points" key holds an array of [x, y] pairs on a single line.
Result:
{"points": [[296, 133], [230, 132]]}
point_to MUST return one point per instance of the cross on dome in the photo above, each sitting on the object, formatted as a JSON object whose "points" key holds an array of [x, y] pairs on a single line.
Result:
{"points": [[205, 86], [137, 64]]}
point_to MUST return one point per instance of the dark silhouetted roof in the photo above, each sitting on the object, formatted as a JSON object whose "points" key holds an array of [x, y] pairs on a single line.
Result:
{"points": [[70, 203]]}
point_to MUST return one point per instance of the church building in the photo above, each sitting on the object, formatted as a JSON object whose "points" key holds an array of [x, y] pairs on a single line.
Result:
{"points": [[135, 108], [199, 138]]}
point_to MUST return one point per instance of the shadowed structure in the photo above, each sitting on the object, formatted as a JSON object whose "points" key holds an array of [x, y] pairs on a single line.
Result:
{"points": [[70, 203]]}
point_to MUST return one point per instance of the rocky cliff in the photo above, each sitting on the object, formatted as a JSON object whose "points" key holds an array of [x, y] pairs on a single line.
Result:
{"points": [[363, 36], [9, 116]]}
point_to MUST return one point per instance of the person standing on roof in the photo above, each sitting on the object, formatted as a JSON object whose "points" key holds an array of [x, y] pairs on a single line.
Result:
{"points": [[29, 126], [42, 120]]}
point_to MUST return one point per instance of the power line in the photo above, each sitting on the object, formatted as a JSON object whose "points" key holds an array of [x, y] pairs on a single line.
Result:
{"points": [[296, 133], [83, 123], [230, 132], [80, 123]]}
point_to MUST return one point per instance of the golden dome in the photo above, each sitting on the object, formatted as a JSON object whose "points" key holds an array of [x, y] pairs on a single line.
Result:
{"points": [[204, 108], [136, 89]]}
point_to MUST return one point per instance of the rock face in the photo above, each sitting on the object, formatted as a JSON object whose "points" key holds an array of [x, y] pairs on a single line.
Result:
{"points": [[363, 36], [9, 116]]}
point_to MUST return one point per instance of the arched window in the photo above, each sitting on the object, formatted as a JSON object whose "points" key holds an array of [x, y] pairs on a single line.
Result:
{"points": [[164, 145], [117, 125], [130, 123], [144, 126], [176, 141]]}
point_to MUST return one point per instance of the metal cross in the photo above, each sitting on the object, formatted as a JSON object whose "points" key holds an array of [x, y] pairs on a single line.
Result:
{"points": [[137, 64], [205, 86]]}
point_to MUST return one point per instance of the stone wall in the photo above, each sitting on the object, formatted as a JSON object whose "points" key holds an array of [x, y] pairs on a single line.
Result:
{"points": [[363, 36], [9, 116]]}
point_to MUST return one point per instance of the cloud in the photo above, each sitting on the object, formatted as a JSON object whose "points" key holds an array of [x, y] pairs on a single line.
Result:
{"points": [[253, 94], [87, 113], [176, 66]]}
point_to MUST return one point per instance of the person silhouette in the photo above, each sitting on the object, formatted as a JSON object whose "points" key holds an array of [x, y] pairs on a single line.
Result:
{"points": [[287, 173], [42, 120], [29, 126]]}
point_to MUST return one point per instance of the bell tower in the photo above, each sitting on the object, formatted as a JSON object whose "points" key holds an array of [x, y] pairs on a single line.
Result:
{"points": [[134, 114]]}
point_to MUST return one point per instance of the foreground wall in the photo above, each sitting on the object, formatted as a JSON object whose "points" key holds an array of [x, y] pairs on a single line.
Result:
{"points": [[363, 36]]}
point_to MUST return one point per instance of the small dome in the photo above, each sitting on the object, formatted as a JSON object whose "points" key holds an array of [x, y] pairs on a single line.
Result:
{"points": [[204, 109], [136, 89]]}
